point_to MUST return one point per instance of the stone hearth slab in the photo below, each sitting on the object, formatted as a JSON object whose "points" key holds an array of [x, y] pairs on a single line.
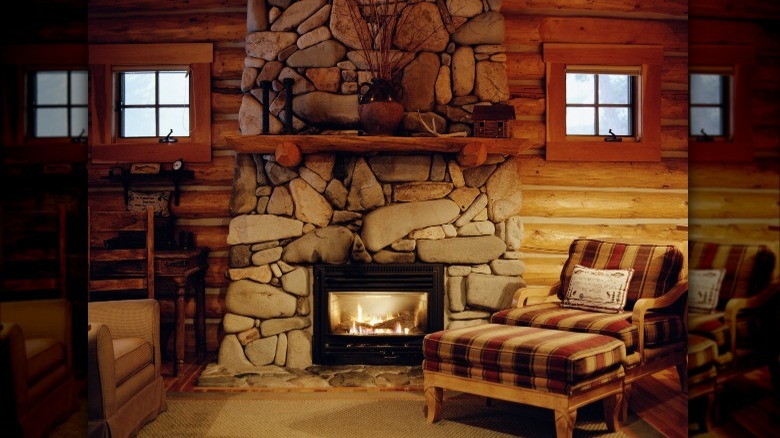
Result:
{"points": [[317, 377]]}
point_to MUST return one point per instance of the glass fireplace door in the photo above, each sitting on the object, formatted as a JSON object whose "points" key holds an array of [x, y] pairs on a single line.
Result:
{"points": [[367, 313]]}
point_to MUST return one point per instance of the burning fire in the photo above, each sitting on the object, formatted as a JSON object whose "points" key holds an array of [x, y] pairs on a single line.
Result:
{"points": [[366, 324]]}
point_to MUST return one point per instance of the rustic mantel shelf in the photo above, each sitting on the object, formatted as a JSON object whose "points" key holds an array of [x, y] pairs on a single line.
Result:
{"points": [[309, 144]]}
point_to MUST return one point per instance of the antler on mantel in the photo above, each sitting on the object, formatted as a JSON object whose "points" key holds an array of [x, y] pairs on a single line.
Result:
{"points": [[436, 133]]}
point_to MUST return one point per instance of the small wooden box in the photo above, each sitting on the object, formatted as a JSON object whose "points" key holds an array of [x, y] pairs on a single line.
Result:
{"points": [[493, 121]]}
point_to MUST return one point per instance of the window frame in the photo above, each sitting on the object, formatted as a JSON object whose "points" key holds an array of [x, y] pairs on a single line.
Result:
{"points": [[32, 106], [596, 105], [19, 61], [738, 146], [107, 61], [645, 145], [726, 89]]}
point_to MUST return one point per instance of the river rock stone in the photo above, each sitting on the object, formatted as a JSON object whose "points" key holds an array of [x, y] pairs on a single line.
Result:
{"points": [[386, 256], [325, 78], [443, 88], [480, 228], [300, 85], [514, 233], [242, 197], [245, 297], [504, 192], [491, 292], [296, 282], [261, 228], [464, 197], [256, 16], [365, 192], [476, 206], [456, 293], [281, 350], [262, 351], [385, 225], [507, 267], [271, 327], [404, 245], [342, 27], [420, 29], [323, 54], [316, 20], [310, 206], [419, 80], [336, 193], [485, 28], [400, 168], [421, 191], [296, 14], [324, 245], [319, 107], [270, 71], [461, 250], [477, 176], [298, 349], [267, 45], [248, 336], [491, 83], [231, 354], [431, 233], [233, 323], [239, 256], [464, 8], [250, 118], [314, 180], [463, 71], [456, 174], [248, 78], [260, 274], [313, 37], [321, 164], [279, 174], [280, 202]]}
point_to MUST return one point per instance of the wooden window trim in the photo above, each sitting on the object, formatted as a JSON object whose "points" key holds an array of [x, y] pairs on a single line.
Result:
{"points": [[18, 60], [740, 59], [106, 147], [561, 147]]}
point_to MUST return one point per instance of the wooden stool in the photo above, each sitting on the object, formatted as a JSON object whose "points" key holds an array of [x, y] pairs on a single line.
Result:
{"points": [[553, 369]]}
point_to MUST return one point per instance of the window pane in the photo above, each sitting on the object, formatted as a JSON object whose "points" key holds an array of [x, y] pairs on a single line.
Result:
{"points": [[138, 122], [613, 89], [580, 121], [177, 119], [709, 119], [51, 88], [706, 88], [78, 88], [78, 121], [51, 122], [174, 88], [615, 119], [580, 88], [138, 88]]}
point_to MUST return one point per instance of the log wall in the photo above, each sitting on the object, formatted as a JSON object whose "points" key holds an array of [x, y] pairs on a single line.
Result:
{"points": [[562, 201]]}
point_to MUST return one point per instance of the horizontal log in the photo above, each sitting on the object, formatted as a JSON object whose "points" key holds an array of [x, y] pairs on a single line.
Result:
{"points": [[674, 104], [215, 238], [187, 27], [735, 10], [674, 138], [528, 107], [623, 8], [766, 138], [524, 66], [735, 233], [226, 101], [228, 62], [219, 171], [667, 174], [215, 275], [328, 143], [202, 204], [760, 174], [221, 130], [604, 204], [613, 31], [555, 237], [136, 6], [733, 205], [543, 270]]}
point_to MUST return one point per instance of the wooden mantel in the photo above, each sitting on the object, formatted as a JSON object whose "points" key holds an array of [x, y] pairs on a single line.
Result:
{"points": [[311, 144]]}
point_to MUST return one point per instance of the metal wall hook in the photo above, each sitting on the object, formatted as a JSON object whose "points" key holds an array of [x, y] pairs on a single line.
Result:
{"points": [[613, 138], [704, 136], [81, 138], [168, 138]]}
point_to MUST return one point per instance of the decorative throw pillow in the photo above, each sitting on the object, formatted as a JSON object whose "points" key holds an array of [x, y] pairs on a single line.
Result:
{"points": [[600, 290], [137, 201], [704, 289]]}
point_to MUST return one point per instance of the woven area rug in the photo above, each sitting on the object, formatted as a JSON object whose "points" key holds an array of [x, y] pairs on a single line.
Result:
{"points": [[380, 415]]}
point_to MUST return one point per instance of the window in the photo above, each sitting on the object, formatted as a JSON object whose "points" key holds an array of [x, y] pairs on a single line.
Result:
{"points": [[57, 103], [151, 102], [719, 103], [593, 89], [44, 106], [599, 104], [709, 105]]}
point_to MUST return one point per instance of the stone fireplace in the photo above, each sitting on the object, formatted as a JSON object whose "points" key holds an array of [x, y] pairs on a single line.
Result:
{"points": [[336, 209]]}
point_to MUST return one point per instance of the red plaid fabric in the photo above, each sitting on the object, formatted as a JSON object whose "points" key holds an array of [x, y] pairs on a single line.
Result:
{"points": [[659, 328], [527, 351], [656, 267], [514, 379], [701, 352], [748, 267]]}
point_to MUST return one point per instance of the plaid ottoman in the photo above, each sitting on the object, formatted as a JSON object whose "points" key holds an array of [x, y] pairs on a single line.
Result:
{"points": [[555, 369]]}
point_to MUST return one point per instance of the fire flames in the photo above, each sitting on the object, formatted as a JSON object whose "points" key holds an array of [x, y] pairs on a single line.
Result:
{"points": [[377, 325]]}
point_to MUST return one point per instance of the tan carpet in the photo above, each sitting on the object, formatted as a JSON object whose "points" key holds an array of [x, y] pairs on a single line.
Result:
{"points": [[363, 415]]}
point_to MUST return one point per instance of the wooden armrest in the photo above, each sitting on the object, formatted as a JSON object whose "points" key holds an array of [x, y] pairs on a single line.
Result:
{"points": [[643, 305], [521, 296], [736, 305]]}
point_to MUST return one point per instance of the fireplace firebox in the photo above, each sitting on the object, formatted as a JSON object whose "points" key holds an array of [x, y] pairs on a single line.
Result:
{"points": [[375, 313]]}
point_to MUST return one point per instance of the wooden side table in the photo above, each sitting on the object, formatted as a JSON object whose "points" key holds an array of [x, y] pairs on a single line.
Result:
{"points": [[183, 267]]}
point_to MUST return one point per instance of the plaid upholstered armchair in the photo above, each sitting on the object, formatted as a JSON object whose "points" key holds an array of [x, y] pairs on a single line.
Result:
{"points": [[739, 314], [651, 322]]}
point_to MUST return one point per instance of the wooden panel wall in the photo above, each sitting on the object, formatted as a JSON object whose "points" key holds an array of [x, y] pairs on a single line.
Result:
{"points": [[740, 202], [562, 201]]}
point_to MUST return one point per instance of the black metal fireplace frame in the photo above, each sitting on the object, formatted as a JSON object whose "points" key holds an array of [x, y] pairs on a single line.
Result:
{"points": [[328, 349]]}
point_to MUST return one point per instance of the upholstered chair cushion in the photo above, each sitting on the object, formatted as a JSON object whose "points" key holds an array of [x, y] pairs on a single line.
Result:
{"points": [[43, 355], [656, 267]]}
